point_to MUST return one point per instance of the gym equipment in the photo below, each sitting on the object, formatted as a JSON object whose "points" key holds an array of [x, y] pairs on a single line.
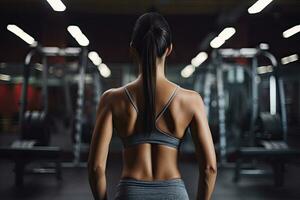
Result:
{"points": [[35, 127], [277, 153], [24, 152], [35, 137], [45, 52], [82, 127], [258, 135], [269, 126], [219, 94], [81, 123]]}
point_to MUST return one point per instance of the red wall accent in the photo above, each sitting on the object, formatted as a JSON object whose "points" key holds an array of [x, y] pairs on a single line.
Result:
{"points": [[10, 97]]}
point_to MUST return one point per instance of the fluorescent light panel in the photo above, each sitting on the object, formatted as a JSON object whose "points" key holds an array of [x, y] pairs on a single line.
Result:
{"points": [[187, 71], [222, 37], [104, 70], [258, 6], [57, 5], [21, 34], [291, 31], [5, 77], [95, 58], [78, 35], [227, 33], [217, 42], [289, 59], [199, 59]]}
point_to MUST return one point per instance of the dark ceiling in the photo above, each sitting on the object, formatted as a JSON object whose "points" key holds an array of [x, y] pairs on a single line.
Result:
{"points": [[139, 6], [108, 25]]}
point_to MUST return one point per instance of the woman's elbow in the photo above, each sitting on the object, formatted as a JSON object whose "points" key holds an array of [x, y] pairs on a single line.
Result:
{"points": [[211, 165], [95, 169], [211, 169]]}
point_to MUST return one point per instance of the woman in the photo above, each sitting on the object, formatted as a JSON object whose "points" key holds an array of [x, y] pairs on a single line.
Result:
{"points": [[151, 116]]}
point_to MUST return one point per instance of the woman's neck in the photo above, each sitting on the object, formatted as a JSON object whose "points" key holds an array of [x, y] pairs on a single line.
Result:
{"points": [[160, 71]]}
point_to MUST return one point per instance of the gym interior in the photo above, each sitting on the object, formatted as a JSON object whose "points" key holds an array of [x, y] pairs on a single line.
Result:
{"points": [[57, 57]]}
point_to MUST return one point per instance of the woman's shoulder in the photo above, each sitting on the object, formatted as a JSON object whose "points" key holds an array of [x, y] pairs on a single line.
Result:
{"points": [[112, 93], [189, 93], [189, 98], [116, 93]]}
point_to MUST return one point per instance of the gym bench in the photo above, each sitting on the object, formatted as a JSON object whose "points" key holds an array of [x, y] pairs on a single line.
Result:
{"points": [[22, 155], [276, 157]]}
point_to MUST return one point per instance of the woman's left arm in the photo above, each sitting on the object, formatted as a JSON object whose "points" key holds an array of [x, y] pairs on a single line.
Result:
{"points": [[99, 147]]}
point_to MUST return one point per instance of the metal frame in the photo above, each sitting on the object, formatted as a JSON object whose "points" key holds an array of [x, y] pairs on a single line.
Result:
{"points": [[221, 105], [52, 52], [253, 53]]}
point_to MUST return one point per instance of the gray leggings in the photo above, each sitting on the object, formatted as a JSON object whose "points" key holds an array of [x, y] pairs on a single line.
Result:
{"points": [[133, 189]]}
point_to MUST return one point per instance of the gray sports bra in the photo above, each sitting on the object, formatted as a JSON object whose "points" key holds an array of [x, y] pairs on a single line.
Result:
{"points": [[157, 136]]}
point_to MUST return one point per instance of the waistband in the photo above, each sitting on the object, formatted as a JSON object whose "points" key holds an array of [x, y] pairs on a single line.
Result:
{"points": [[153, 183]]}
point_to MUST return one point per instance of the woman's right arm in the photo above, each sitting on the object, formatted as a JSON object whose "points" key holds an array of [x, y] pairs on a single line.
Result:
{"points": [[204, 147]]}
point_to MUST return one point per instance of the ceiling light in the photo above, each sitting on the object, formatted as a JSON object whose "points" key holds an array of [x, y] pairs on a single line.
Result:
{"points": [[187, 71], [78, 35], [199, 59], [258, 6], [217, 42], [222, 37], [104, 70], [95, 58], [289, 59], [57, 5], [4, 77], [227, 33], [21, 34], [291, 31]]}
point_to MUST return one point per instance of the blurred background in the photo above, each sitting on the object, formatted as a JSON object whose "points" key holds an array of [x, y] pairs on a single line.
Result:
{"points": [[58, 56]]}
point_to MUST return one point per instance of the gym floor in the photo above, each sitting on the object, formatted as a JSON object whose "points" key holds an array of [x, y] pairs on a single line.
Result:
{"points": [[75, 184]]}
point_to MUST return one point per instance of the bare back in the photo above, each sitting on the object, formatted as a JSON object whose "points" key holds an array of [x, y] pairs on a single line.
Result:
{"points": [[151, 161]]}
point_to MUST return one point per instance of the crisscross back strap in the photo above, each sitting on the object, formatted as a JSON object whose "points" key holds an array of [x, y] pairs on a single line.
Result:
{"points": [[168, 103], [164, 107], [131, 99]]}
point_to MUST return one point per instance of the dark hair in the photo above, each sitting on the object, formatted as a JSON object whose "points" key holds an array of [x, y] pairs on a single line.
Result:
{"points": [[150, 38]]}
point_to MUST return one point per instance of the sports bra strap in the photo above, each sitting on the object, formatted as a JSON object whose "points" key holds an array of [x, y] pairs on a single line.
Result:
{"points": [[131, 100], [167, 104], [164, 107]]}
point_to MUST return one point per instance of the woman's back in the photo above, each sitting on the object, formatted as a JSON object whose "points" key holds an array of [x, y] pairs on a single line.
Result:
{"points": [[155, 157], [151, 116]]}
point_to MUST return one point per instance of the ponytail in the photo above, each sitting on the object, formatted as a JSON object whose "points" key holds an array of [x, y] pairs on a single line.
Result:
{"points": [[149, 54], [150, 38]]}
